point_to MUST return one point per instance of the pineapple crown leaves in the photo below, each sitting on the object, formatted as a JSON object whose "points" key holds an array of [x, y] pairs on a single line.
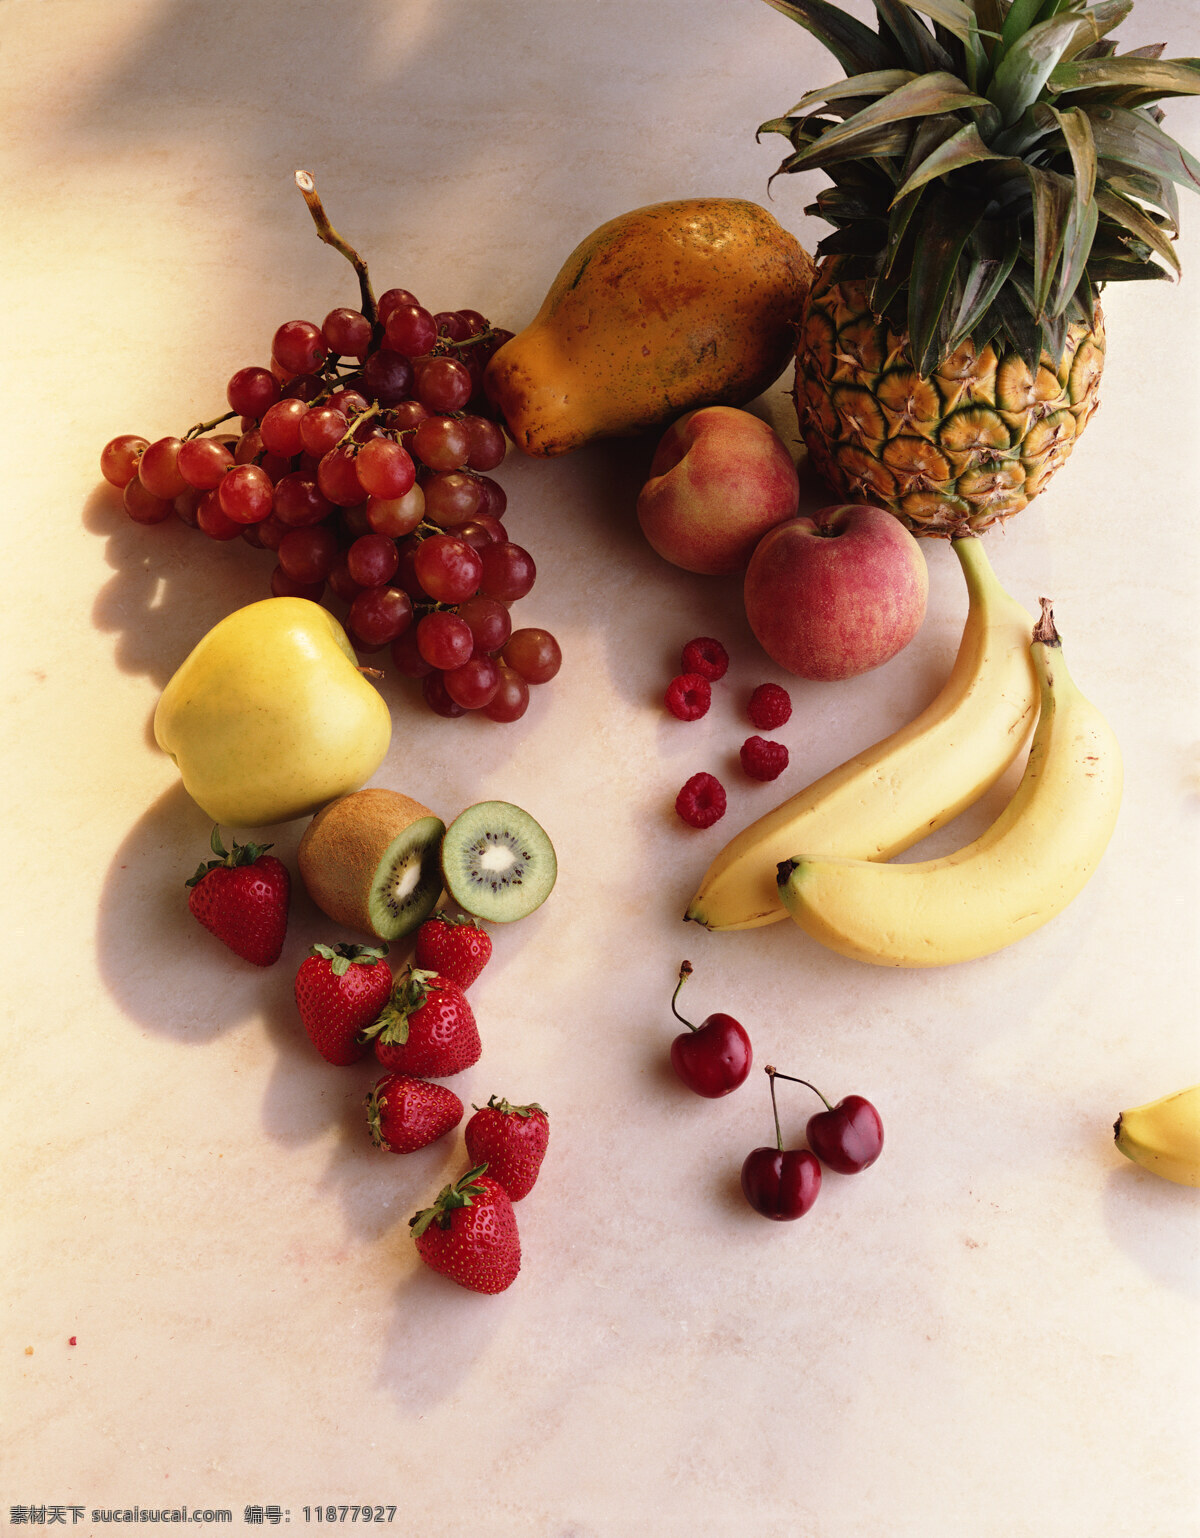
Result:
{"points": [[991, 168], [409, 992], [343, 957], [230, 859], [461, 1193]]}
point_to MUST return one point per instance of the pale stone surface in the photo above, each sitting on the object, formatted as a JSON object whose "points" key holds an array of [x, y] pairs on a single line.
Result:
{"points": [[992, 1332]]}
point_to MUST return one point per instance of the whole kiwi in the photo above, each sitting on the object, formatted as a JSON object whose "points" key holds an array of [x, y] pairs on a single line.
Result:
{"points": [[370, 860]]}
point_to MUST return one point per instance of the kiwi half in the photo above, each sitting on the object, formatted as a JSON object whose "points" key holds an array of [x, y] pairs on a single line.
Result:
{"points": [[497, 862], [370, 861]]}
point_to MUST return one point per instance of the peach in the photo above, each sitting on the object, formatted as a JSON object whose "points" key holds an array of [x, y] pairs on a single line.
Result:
{"points": [[838, 593], [719, 480]]}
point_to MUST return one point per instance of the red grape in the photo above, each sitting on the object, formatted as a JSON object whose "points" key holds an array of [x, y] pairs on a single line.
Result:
{"points": [[411, 330], [303, 387], [342, 583], [320, 428], [406, 657], [385, 469], [444, 640], [372, 560], [407, 414], [494, 500], [270, 531], [283, 586], [348, 402], [120, 457], [444, 385], [252, 391], [448, 569], [299, 347], [488, 445], [142, 505], [246, 494], [476, 324], [203, 462], [488, 621], [354, 522], [280, 427], [451, 498], [212, 520], [378, 615], [308, 555], [396, 516], [453, 324], [391, 299], [387, 377], [187, 506], [434, 689], [299, 501], [511, 699], [474, 684], [338, 479], [442, 443], [159, 469], [347, 332], [508, 571], [533, 653], [249, 447]]}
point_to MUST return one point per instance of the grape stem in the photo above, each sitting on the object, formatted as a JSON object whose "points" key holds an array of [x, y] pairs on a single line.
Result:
{"points": [[330, 236], [203, 427], [352, 428]]}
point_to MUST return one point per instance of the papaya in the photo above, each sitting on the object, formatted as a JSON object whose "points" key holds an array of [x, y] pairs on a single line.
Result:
{"points": [[680, 304]]}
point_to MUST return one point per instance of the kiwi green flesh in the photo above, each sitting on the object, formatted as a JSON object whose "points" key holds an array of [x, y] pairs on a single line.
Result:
{"points": [[407, 881], [498, 863]]}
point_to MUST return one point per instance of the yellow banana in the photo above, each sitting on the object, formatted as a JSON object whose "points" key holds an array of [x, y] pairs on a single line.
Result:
{"points": [[1164, 1136], [1024, 869], [886, 798]]}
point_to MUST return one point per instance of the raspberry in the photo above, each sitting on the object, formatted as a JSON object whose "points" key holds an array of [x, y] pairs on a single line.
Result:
{"points": [[706, 657], [770, 706], [689, 696], [763, 760], [701, 802]]}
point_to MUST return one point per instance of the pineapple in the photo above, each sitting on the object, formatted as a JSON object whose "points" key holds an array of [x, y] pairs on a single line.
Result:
{"points": [[991, 173]]}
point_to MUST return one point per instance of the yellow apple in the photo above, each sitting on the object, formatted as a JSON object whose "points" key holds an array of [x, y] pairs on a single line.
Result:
{"points": [[269, 717]]}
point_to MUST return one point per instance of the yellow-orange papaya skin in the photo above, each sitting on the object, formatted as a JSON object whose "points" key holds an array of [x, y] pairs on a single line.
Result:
{"points": [[677, 305]]}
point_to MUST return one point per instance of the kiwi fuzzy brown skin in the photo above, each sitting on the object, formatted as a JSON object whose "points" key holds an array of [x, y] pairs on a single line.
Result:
{"points": [[342, 848]]}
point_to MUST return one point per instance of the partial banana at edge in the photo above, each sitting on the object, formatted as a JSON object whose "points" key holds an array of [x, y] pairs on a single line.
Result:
{"points": [[884, 799], [1164, 1136], [1034, 859]]}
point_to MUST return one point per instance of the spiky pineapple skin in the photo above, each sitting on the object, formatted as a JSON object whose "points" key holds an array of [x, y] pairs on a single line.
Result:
{"points": [[950, 454]]}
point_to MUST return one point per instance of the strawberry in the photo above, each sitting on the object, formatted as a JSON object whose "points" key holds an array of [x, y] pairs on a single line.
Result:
{"points": [[427, 1028], [470, 1234], [455, 947], [339, 991], [242, 897], [404, 1114], [511, 1141]]}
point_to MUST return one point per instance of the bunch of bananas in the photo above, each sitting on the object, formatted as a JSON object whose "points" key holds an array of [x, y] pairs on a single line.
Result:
{"points": [[822, 856]]}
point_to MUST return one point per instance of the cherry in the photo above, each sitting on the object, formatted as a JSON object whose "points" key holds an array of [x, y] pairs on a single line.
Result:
{"points": [[847, 1136], [714, 1058], [780, 1183]]}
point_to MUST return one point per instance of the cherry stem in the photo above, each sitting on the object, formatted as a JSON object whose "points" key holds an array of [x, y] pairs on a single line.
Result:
{"points": [[330, 236], [770, 1073], [792, 1079], [685, 971], [203, 427]]}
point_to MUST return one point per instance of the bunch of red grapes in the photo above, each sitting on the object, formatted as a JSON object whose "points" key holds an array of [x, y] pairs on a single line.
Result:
{"points": [[361, 461]]}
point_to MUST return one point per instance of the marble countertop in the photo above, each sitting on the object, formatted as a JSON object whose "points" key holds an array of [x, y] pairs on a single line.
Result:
{"points": [[211, 1299]]}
